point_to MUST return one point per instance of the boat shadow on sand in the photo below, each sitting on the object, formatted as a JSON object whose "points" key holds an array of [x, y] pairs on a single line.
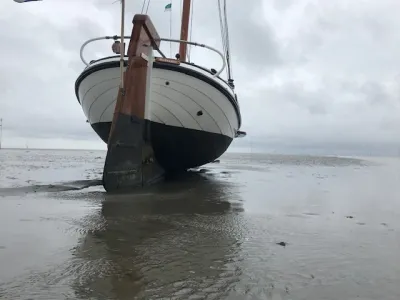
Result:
{"points": [[174, 181]]}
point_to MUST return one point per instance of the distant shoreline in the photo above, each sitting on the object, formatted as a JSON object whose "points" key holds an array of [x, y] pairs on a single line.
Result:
{"points": [[273, 153], [52, 149]]}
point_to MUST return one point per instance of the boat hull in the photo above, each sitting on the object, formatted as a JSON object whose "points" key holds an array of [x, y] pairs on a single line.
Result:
{"points": [[178, 148], [193, 116]]}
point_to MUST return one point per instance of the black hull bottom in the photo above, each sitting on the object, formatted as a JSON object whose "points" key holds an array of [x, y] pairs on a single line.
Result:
{"points": [[178, 148]]}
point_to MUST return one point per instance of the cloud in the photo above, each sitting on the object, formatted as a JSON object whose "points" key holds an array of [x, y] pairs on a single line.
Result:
{"points": [[339, 85], [38, 70], [309, 74]]}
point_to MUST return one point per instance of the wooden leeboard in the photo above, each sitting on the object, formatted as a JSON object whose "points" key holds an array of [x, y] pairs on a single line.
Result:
{"points": [[130, 160]]}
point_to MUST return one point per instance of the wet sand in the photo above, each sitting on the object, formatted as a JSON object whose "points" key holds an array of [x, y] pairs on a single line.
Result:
{"points": [[250, 227]]}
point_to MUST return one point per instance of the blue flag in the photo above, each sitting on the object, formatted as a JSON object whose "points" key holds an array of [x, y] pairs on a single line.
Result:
{"points": [[168, 7]]}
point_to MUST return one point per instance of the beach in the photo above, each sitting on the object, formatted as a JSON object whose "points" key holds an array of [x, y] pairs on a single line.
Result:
{"points": [[251, 226]]}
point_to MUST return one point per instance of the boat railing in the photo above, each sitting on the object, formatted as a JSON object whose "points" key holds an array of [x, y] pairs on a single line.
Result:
{"points": [[116, 37]]}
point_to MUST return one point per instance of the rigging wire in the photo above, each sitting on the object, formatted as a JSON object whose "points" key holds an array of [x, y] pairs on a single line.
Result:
{"points": [[170, 30], [181, 7], [144, 3], [223, 20], [221, 26], [228, 58], [181, 14], [190, 32], [223, 31], [148, 4]]}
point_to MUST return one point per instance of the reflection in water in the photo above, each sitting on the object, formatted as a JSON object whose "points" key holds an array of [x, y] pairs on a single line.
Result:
{"points": [[177, 240], [185, 239]]}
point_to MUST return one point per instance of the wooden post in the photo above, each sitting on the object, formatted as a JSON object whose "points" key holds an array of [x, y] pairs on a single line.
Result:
{"points": [[184, 29], [130, 160]]}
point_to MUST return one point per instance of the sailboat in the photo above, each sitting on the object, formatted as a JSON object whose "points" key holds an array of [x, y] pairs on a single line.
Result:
{"points": [[194, 112]]}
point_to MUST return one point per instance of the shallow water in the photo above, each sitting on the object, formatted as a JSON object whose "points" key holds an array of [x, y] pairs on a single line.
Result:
{"points": [[213, 234]]}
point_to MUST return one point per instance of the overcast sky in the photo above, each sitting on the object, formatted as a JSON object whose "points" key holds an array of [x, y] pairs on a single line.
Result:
{"points": [[310, 75]]}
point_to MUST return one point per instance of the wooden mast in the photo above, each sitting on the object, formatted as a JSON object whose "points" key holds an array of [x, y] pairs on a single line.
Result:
{"points": [[184, 29]]}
